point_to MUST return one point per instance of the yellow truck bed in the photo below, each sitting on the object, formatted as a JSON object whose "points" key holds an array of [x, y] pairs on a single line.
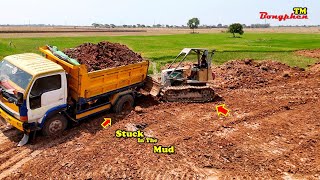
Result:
{"points": [[84, 84]]}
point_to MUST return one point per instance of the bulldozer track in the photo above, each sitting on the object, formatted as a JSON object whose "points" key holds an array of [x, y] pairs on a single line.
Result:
{"points": [[190, 94]]}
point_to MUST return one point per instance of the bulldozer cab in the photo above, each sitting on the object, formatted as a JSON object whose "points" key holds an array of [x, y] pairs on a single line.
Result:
{"points": [[200, 72], [185, 82]]}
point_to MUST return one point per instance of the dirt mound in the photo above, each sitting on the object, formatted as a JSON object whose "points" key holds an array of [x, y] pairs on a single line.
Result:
{"points": [[315, 67], [103, 55], [251, 74], [309, 53]]}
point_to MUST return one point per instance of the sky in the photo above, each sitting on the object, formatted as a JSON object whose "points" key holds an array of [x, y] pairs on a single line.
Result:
{"points": [[149, 12]]}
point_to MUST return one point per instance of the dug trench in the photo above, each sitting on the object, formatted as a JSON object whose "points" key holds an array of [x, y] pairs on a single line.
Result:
{"points": [[271, 132]]}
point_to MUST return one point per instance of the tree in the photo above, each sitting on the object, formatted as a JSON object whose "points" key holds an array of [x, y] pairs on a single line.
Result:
{"points": [[95, 25], [193, 23], [259, 26], [235, 28]]}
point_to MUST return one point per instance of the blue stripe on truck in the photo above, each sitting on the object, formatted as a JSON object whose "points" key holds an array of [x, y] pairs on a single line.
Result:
{"points": [[23, 109], [49, 111]]}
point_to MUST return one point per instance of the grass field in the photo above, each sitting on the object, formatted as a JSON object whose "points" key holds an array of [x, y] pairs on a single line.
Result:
{"points": [[162, 49]]}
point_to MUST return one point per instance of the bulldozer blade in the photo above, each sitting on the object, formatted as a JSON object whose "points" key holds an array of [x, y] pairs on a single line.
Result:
{"points": [[152, 86], [24, 140]]}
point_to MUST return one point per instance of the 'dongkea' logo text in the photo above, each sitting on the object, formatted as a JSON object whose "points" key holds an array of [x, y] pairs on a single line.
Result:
{"points": [[298, 13]]}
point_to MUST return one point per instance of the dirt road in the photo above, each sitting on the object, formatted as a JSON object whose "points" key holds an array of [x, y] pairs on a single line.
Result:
{"points": [[272, 132]]}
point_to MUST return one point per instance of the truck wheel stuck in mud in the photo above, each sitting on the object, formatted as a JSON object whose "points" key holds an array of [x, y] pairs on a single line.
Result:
{"points": [[55, 125], [124, 104]]}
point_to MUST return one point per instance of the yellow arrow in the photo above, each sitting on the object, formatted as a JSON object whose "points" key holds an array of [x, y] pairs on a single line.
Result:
{"points": [[106, 123]]}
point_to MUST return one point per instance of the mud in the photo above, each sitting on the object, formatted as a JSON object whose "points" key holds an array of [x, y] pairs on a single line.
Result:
{"points": [[253, 74], [315, 68], [272, 133], [103, 55]]}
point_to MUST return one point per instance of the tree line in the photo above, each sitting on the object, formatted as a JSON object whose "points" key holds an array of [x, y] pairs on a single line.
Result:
{"points": [[235, 28], [97, 25]]}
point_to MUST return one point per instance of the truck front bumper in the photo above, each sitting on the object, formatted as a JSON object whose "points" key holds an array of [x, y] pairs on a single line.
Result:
{"points": [[11, 120]]}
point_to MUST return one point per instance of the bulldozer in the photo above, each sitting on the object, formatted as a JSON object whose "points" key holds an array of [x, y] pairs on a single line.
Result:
{"points": [[180, 83]]}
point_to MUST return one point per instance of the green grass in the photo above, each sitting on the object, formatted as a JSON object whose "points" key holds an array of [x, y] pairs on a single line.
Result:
{"points": [[162, 49]]}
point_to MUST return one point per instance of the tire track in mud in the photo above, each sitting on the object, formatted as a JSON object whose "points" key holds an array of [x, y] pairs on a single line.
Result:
{"points": [[7, 154], [5, 133], [11, 156], [7, 144], [17, 161], [14, 158]]}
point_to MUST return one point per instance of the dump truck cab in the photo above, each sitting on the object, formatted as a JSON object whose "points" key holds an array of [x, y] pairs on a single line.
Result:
{"points": [[32, 86]]}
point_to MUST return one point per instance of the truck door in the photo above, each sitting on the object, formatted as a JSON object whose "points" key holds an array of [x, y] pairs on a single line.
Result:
{"points": [[45, 93]]}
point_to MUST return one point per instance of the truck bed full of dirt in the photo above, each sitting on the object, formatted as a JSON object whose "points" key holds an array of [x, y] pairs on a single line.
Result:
{"points": [[103, 55]]}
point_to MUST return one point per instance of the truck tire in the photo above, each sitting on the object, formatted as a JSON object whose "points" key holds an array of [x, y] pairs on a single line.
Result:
{"points": [[55, 125], [124, 104]]}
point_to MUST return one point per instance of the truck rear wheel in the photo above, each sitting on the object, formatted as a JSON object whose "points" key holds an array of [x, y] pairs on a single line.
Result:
{"points": [[55, 125], [124, 104]]}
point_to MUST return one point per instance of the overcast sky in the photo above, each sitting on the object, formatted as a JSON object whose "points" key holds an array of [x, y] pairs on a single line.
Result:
{"points": [[149, 12]]}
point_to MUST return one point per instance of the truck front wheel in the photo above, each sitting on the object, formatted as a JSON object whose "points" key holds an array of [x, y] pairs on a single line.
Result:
{"points": [[124, 104], [55, 125]]}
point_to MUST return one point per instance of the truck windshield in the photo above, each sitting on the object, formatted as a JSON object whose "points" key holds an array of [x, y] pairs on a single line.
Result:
{"points": [[10, 72]]}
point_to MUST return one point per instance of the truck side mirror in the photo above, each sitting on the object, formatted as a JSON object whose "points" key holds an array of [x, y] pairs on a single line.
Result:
{"points": [[19, 98]]}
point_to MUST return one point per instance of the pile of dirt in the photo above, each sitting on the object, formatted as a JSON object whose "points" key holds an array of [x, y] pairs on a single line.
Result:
{"points": [[103, 55], [309, 53], [315, 68], [252, 74]]}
